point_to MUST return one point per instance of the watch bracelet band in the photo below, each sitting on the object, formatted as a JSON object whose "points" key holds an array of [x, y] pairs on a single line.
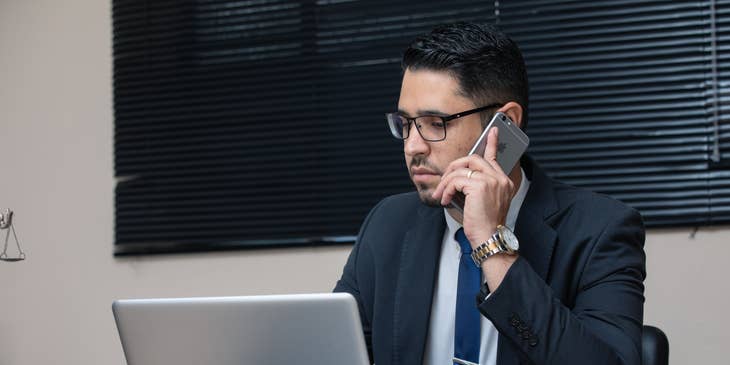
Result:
{"points": [[486, 250]]}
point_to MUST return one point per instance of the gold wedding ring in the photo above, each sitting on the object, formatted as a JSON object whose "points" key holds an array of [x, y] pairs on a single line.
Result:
{"points": [[468, 176]]}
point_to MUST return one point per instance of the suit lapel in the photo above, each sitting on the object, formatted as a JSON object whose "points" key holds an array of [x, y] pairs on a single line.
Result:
{"points": [[537, 238], [414, 290], [537, 241]]}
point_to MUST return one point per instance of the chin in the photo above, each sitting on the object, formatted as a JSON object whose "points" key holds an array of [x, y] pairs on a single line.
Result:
{"points": [[425, 195]]}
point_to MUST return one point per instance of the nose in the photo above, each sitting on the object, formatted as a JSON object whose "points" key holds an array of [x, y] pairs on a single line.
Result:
{"points": [[415, 144]]}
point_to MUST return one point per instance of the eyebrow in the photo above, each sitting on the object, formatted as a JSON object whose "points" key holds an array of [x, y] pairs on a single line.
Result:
{"points": [[424, 112]]}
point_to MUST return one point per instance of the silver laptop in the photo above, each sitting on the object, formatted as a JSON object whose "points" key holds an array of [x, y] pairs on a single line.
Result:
{"points": [[322, 329]]}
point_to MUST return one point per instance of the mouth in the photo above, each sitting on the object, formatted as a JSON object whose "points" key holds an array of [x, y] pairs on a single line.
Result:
{"points": [[422, 175]]}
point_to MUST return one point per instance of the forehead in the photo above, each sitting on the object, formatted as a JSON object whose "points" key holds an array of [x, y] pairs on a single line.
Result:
{"points": [[428, 90]]}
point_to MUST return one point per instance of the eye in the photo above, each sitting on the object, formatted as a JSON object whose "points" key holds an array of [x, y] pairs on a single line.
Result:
{"points": [[432, 121]]}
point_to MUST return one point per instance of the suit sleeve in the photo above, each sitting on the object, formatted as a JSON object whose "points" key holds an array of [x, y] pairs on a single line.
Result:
{"points": [[603, 327]]}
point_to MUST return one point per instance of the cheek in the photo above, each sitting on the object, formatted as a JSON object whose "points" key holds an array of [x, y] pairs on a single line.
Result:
{"points": [[444, 156], [464, 138], [459, 149], [467, 143], [462, 149]]}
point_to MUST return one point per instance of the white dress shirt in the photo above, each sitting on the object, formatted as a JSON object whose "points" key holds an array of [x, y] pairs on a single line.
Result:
{"points": [[440, 342]]}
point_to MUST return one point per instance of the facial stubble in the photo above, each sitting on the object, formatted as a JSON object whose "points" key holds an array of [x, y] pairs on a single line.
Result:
{"points": [[423, 190]]}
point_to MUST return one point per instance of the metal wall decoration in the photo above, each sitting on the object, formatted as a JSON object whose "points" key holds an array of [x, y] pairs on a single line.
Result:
{"points": [[6, 223]]}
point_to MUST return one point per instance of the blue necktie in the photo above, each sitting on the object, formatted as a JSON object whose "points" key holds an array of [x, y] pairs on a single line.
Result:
{"points": [[466, 334]]}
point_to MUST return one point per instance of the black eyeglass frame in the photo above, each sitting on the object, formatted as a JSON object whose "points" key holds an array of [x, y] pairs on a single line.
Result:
{"points": [[444, 120]]}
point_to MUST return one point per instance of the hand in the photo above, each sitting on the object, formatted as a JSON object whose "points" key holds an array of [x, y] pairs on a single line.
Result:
{"points": [[487, 189]]}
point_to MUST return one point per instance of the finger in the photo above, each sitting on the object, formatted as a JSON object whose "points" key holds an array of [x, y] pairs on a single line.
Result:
{"points": [[461, 167], [478, 163], [472, 162], [446, 178], [457, 184], [490, 153], [459, 163], [465, 186]]}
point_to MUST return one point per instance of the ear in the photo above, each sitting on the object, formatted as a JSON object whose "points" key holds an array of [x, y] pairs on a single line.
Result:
{"points": [[514, 111]]}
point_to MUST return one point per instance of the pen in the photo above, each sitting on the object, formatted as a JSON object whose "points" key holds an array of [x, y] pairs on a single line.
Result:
{"points": [[464, 362]]}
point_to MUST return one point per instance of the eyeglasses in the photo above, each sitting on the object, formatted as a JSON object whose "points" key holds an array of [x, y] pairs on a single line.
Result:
{"points": [[432, 128]]}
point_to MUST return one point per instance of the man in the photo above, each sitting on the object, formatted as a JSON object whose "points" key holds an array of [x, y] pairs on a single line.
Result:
{"points": [[571, 294]]}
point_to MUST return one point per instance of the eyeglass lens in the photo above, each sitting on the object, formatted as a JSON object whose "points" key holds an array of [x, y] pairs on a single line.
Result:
{"points": [[431, 128]]}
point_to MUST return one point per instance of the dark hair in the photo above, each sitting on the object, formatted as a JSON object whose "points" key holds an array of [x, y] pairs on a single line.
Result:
{"points": [[485, 61]]}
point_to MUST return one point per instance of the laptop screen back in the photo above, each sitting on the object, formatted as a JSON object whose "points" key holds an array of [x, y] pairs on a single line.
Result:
{"points": [[322, 329]]}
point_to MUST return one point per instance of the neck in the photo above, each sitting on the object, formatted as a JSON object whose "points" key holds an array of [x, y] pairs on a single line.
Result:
{"points": [[515, 175]]}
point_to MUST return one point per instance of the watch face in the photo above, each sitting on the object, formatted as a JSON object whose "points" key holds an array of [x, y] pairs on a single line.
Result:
{"points": [[509, 238]]}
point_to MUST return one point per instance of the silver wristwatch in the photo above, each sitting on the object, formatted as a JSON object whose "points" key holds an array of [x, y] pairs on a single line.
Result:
{"points": [[503, 240]]}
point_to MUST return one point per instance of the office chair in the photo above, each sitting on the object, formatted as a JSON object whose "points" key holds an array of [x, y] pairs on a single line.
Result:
{"points": [[654, 347]]}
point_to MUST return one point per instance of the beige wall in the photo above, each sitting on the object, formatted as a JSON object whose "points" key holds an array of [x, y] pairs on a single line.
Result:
{"points": [[56, 129]]}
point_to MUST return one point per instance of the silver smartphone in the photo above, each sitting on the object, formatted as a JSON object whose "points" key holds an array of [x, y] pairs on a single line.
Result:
{"points": [[512, 144]]}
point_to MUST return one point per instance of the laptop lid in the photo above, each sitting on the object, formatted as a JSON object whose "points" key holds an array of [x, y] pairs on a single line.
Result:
{"points": [[322, 329]]}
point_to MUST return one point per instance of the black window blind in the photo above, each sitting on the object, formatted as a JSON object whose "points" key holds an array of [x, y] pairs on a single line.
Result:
{"points": [[261, 123], [624, 101]]}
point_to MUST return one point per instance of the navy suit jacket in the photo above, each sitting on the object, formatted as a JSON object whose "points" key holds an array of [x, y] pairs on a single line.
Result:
{"points": [[574, 295]]}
